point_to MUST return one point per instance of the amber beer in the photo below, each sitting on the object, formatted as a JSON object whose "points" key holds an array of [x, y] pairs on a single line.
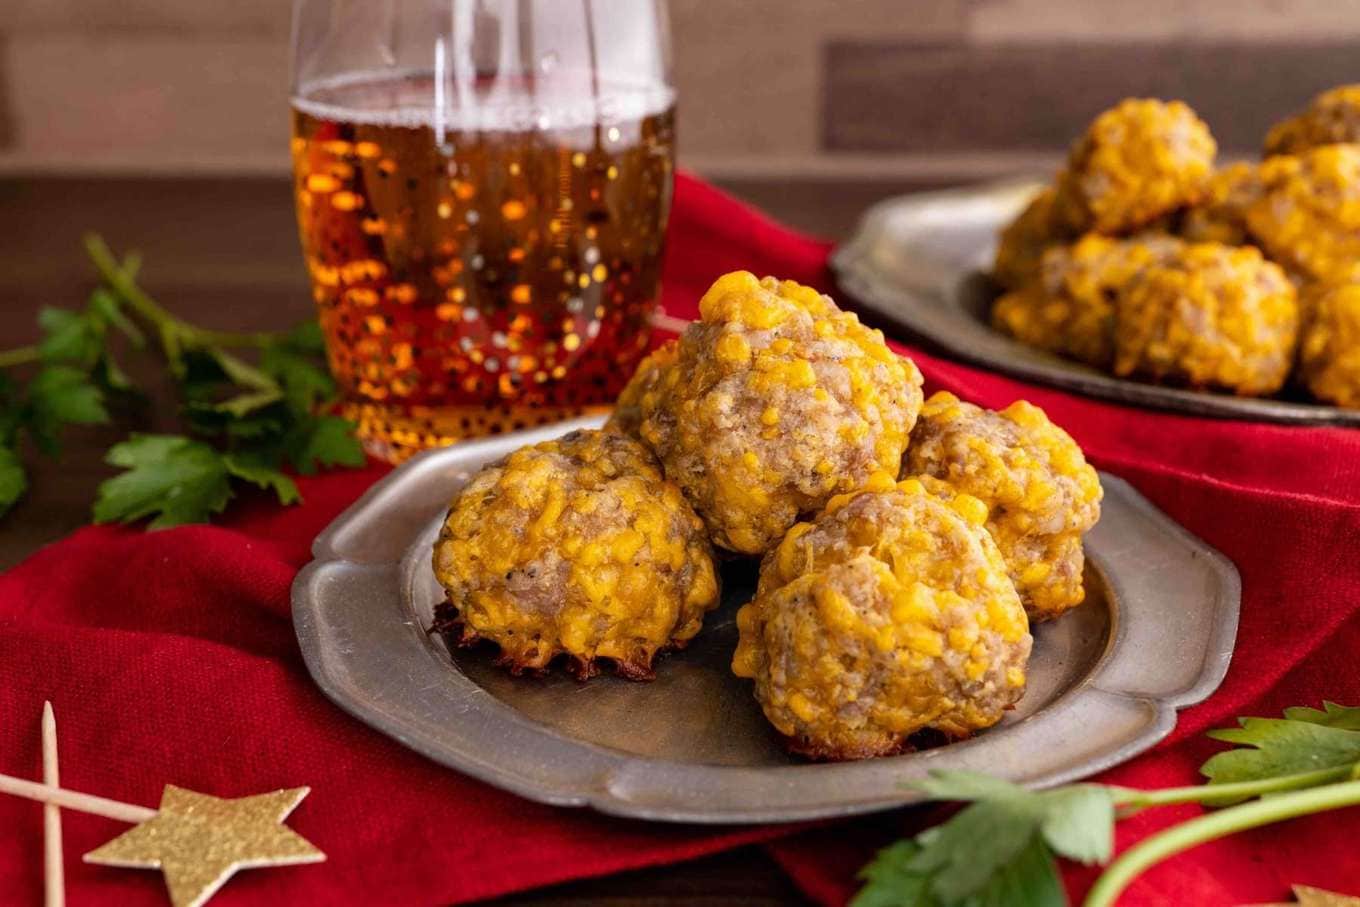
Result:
{"points": [[484, 271]]}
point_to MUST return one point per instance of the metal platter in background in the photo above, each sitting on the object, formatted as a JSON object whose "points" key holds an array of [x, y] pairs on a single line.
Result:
{"points": [[919, 262]]}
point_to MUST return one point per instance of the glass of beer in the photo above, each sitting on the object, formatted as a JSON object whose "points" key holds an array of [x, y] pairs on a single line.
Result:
{"points": [[482, 190]]}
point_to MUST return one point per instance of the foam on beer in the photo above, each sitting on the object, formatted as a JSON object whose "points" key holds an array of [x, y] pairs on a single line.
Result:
{"points": [[414, 100]]}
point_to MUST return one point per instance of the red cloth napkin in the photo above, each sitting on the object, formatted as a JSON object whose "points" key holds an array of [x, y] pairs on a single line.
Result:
{"points": [[170, 658]]}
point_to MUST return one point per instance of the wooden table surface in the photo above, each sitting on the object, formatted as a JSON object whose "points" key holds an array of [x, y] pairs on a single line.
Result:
{"points": [[224, 253]]}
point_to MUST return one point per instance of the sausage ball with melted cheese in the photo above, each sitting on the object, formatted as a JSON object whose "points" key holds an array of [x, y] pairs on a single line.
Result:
{"points": [[889, 614], [1021, 247], [1222, 216], [640, 393], [1329, 352], [1040, 494], [1331, 118], [575, 547], [776, 401], [1308, 216], [1210, 316], [1071, 310], [1137, 161]]}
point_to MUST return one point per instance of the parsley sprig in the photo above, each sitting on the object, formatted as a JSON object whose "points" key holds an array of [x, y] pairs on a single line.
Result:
{"points": [[1000, 850], [247, 419]]}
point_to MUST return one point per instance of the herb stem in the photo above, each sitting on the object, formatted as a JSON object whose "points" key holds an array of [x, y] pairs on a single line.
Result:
{"points": [[1211, 793], [122, 283], [254, 339], [120, 280], [1216, 825], [19, 356]]}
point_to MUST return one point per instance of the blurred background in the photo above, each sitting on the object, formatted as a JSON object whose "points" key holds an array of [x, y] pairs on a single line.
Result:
{"points": [[847, 97]]}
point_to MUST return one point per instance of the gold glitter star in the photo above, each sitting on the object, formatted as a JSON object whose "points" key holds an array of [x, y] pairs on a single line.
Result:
{"points": [[1316, 897], [198, 841]]}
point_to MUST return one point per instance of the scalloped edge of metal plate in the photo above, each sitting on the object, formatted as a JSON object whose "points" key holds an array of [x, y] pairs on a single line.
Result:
{"points": [[910, 261], [1170, 594]]}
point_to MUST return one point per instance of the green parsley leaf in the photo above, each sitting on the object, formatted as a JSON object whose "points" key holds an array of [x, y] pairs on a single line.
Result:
{"points": [[305, 383], [890, 880], [247, 403], [214, 401], [943, 784], [202, 382], [259, 415], [173, 478], [80, 339], [1332, 715], [240, 372], [894, 879], [218, 387], [1030, 880], [264, 476], [307, 337], [70, 337], [59, 395], [261, 428], [66, 395], [1305, 740], [13, 478], [966, 852], [323, 441], [1078, 822], [998, 850]]}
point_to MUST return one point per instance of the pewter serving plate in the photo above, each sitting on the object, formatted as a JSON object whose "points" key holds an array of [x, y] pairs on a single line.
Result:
{"points": [[919, 262], [692, 746]]}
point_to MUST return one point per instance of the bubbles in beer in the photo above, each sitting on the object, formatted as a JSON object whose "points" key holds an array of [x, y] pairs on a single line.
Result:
{"points": [[474, 272]]}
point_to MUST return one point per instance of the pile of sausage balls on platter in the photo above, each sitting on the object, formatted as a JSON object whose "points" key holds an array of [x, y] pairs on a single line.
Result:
{"points": [[906, 545], [1143, 260]]}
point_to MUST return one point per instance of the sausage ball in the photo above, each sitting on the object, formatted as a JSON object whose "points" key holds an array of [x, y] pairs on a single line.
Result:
{"points": [[1309, 215], [1222, 216], [1033, 317], [641, 389], [575, 547], [1071, 310], [1329, 352], [1308, 218], [776, 401], [1040, 494], [1136, 162], [1023, 242], [889, 614], [1331, 118], [1211, 316]]}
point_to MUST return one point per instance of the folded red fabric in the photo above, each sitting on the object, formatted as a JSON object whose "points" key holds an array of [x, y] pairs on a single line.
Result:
{"points": [[170, 658]]}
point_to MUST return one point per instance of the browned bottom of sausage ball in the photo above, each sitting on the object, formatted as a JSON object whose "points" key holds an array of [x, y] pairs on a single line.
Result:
{"points": [[579, 548]]}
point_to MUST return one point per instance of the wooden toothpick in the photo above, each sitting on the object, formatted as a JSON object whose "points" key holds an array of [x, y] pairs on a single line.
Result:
{"points": [[54, 880], [69, 799], [196, 841], [670, 322]]}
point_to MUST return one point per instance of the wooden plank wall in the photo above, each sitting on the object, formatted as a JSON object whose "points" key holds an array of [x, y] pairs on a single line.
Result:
{"points": [[935, 89]]}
